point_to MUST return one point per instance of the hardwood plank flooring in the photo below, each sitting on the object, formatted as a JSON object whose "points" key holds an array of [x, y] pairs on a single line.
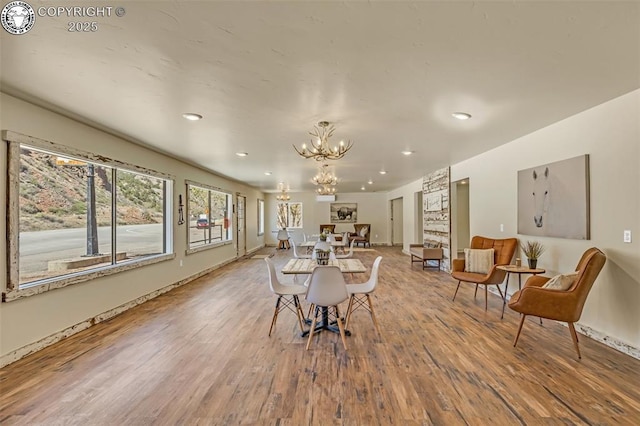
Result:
{"points": [[200, 354]]}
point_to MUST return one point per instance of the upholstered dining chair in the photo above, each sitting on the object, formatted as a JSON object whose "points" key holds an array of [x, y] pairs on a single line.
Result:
{"points": [[362, 234], [287, 296], [479, 266], [360, 295], [326, 290], [559, 304], [331, 228]]}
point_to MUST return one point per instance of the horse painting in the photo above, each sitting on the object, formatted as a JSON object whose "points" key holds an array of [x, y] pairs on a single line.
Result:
{"points": [[553, 199], [540, 196]]}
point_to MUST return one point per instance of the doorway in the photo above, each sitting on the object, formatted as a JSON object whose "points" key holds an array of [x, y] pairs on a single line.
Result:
{"points": [[397, 222], [460, 222]]}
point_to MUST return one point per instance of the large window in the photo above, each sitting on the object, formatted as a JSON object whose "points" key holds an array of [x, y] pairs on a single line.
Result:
{"points": [[209, 212], [260, 217], [289, 215], [71, 216]]}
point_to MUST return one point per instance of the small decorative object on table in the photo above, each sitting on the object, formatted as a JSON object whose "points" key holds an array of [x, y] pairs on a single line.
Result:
{"points": [[323, 237], [533, 250], [322, 256]]}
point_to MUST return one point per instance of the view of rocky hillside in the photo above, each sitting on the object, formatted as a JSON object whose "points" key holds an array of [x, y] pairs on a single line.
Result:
{"points": [[53, 194]]}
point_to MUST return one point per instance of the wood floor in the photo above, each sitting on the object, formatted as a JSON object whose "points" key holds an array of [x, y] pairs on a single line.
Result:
{"points": [[201, 355]]}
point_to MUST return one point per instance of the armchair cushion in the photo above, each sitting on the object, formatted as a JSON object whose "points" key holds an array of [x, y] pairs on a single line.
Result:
{"points": [[561, 282], [363, 231], [478, 260]]}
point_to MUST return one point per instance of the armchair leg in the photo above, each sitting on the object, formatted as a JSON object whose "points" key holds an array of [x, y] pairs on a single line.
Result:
{"points": [[574, 337], [476, 292], [486, 297], [515, 342], [454, 294]]}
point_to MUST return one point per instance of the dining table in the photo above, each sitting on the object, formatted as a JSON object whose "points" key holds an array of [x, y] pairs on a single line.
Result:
{"points": [[306, 267]]}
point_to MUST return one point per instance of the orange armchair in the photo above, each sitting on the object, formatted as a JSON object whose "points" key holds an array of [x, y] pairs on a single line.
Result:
{"points": [[503, 252], [559, 305]]}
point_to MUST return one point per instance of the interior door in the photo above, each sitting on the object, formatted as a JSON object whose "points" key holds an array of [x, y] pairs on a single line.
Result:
{"points": [[241, 236]]}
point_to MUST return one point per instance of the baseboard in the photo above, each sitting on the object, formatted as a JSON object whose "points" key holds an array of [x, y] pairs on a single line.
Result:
{"points": [[596, 335], [24, 351]]}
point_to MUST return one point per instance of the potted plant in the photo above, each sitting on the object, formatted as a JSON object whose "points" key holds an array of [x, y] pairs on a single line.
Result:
{"points": [[533, 250], [323, 237]]}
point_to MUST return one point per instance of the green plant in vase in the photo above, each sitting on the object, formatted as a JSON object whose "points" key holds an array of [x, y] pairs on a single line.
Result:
{"points": [[533, 250], [323, 237]]}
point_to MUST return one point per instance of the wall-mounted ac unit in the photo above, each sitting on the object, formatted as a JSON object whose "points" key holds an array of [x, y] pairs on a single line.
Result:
{"points": [[325, 198]]}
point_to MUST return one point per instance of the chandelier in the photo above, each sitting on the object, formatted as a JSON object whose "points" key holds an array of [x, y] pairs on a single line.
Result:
{"points": [[325, 177], [320, 149], [283, 196], [326, 190]]}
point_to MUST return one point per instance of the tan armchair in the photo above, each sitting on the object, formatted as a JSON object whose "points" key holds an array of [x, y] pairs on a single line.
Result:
{"points": [[361, 235], [559, 305], [503, 252]]}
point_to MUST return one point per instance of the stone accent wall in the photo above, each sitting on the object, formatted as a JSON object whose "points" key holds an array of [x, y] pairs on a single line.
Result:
{"points": [[436, 213]]}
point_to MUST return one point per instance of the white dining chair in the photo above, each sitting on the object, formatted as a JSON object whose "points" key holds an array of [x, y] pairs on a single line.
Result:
{"points": [[295, 251], [360, 294], [283, 239], [349, 253], [287, 296], [327, 289]]}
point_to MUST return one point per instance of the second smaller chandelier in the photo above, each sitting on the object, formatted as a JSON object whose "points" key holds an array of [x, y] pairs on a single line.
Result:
{"points": [[325, 177]]}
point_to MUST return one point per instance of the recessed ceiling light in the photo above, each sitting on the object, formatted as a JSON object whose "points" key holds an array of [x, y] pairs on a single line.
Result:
{"points": [[241, 154], [362, 188], [461, 115], [192, 116], [267, 173], [464, 182], [370, 182], [382, 172], [407, 152]]}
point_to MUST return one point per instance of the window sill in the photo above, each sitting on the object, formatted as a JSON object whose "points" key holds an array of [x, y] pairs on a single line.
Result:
{"points": [[207, 247], [61, 282]]}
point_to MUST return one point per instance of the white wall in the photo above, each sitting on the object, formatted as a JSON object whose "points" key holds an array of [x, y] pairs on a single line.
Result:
{"points": [[371, 208], [610, 134], [28, 320]]}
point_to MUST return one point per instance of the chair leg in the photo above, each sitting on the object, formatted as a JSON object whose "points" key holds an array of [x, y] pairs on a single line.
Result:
{"points": [[313, 327], [457, 288], [310, 309], [349, 311], [515, 342], [476, 292], [299, 312], [275, 315], [373, 315], [341, 327], [574, 336]]}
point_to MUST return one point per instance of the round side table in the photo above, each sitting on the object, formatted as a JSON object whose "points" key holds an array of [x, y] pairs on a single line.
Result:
{"points": [[520, 270]]}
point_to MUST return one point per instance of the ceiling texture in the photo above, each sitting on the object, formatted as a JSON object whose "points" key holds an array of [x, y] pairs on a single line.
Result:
{"points": [[388, 75]]}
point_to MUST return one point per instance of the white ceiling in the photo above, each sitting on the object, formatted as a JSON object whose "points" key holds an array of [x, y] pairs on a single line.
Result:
{"points": [[387, 74]]}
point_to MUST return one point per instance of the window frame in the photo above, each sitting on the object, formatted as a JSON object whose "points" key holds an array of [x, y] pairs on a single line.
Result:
{"points": [[190, 250], [260, 217], [13, 291]]}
